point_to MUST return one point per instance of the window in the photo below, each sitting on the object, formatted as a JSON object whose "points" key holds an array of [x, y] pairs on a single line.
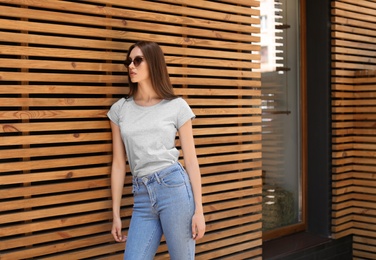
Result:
{"points": [[283, 119]]}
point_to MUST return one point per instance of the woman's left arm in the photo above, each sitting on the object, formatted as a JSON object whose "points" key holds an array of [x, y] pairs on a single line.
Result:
{"points": [[193, 170]]}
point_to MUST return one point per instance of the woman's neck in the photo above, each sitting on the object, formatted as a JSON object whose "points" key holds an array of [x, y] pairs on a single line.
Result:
{"points": [[146, 96]]}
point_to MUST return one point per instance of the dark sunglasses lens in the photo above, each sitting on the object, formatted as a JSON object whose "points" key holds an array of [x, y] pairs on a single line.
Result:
{"points": [[137, 61], [127, 62]]}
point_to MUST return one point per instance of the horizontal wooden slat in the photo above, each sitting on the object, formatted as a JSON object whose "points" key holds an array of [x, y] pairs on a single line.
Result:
{"points": [[77, 102], [60, 235], [53, 175], [50, 139], [54, 188], [89, 66], [56, 200], [55, 126], [57, 223], [56, 89], [58, 247]]}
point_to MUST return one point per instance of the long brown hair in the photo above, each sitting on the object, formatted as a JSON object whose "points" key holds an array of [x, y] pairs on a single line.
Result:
{"points": [[154, 57]]}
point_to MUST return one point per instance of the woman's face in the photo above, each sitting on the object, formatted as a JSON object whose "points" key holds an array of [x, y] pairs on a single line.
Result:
{"points": [[138, 69]]}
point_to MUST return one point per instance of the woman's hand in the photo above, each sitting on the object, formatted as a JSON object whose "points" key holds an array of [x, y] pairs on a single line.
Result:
{"points": [[116, 230], [198, 226]]}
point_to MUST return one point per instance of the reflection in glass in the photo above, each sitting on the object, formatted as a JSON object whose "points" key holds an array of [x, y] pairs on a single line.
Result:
{"points": [[282, 203]]}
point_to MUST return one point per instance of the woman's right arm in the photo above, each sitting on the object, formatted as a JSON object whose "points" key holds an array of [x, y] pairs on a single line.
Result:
{"points": [[117, 180]]}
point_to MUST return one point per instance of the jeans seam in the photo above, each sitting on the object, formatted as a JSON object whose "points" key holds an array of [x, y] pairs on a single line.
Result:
{"points": [[149, 242]]}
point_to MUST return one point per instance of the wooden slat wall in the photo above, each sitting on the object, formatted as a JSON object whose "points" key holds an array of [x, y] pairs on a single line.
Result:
{"points": [[61, 69], [354, 124]]}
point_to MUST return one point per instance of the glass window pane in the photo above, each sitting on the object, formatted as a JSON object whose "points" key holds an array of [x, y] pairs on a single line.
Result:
{"points": [[282, 189]]}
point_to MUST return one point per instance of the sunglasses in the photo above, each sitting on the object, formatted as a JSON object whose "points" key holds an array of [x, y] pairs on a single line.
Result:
{"points": [[136, 61]]}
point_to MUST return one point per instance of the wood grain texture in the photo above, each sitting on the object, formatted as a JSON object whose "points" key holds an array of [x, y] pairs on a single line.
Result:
{"points": [[61, 70], [354, 121]]}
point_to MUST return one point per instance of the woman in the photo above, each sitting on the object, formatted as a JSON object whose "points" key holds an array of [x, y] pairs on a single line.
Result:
{"points": [[167, 199]]}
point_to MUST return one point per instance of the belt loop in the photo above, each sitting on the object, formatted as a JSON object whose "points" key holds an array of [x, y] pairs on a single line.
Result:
{"points": [[157, 178], [135, 181]]}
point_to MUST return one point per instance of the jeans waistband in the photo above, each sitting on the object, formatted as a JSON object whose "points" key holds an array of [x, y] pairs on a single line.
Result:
{"points": [[156, 176]]}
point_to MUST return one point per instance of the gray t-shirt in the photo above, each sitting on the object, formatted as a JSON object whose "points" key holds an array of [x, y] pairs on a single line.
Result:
{"points": [[149, 132]]}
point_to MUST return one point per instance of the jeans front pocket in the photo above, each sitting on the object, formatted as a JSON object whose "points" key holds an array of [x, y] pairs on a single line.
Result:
{"points": [[173, 179]]}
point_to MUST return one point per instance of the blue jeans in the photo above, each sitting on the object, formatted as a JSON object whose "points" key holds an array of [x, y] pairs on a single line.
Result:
{"points": [[163, 204]]}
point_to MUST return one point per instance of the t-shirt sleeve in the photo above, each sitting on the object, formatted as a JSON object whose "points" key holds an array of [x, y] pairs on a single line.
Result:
{"points": [[185, 113], [114, 112]]}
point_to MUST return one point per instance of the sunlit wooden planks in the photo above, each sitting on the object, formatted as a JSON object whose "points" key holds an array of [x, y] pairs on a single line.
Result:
{"points": [[354, 115], [60, 70]]}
